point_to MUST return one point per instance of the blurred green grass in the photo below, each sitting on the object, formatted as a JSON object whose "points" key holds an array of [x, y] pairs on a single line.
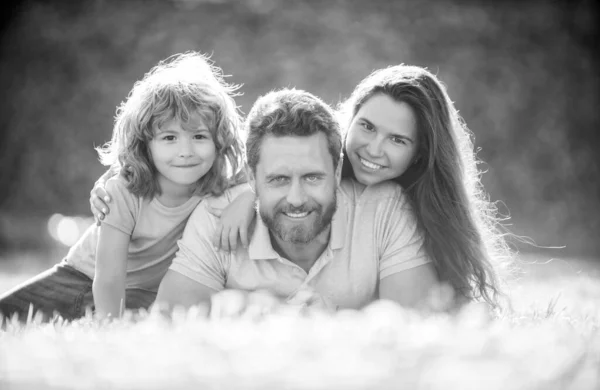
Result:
{"points": [[551, 340]]}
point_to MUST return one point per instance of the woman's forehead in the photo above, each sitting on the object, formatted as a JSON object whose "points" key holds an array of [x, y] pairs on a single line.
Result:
{"points": [[389, 115]]}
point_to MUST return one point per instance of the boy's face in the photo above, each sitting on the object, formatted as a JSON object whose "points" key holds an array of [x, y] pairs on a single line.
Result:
{"points": [[182, 154]]}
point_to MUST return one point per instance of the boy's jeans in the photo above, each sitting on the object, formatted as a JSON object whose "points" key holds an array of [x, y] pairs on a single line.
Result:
{"points": [[64, 290]]}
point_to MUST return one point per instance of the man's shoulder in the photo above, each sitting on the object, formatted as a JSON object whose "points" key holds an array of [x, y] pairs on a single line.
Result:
{"points": [[223, 200], [202, 214]]}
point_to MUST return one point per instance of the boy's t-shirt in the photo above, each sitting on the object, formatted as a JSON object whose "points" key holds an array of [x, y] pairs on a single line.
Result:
{"points": [[154, 230]]}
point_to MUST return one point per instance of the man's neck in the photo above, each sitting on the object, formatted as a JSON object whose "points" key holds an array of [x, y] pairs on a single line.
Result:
{"points": [[303, 255]]}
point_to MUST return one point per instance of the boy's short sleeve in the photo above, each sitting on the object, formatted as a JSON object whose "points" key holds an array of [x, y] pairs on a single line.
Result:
{"points": [[402, 239], [124, 206], [196, 258]]}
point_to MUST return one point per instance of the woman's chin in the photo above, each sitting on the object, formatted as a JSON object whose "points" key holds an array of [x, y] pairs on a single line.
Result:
{"points": [[367, 179]]}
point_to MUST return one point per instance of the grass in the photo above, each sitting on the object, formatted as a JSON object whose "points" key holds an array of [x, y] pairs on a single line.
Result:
{"points": [[550, 340]]}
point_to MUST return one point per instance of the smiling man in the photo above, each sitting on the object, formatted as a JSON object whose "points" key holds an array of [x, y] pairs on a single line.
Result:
{"points": [[342, 240]]}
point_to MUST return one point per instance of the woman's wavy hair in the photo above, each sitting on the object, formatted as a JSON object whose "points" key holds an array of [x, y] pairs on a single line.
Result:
{"points": [[179, 87], [462, 229]]}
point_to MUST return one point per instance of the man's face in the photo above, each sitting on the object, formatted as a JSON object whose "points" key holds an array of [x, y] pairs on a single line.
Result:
{"points": [[295, 183]]}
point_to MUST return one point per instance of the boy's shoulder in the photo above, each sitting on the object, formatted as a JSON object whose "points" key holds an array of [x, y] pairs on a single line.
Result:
{"points": [[116, 186]]}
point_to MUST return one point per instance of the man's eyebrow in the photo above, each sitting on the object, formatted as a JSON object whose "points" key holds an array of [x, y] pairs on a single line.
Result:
{"points": [[274, 175], [315, 173]]}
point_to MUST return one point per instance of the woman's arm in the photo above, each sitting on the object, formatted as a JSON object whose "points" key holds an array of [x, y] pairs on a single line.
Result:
{"points": [[111, 268]]}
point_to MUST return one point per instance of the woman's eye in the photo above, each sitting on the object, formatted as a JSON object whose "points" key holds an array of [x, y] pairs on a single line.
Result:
{"points": [[398, 140], [200, 136], [168, 138], [367, 126]]}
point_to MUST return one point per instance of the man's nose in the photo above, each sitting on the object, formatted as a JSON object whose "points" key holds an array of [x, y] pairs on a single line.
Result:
{"points": [[296, 195]]}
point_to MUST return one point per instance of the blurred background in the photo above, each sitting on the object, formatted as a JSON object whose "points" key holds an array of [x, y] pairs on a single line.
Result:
{"points": [[524, 76]]}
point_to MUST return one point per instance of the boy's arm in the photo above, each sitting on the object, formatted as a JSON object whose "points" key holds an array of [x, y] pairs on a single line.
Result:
{"points": [[111, 267]]}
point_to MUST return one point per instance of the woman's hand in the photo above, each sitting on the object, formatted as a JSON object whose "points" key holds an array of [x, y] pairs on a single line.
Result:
{"points": [[234, 222]]}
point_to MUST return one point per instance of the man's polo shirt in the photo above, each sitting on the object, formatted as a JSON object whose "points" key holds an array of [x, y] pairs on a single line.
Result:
{"points": [[373, 235]]}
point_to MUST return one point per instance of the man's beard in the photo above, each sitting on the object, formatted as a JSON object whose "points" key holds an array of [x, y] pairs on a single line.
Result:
{"points": [[299, 233]]}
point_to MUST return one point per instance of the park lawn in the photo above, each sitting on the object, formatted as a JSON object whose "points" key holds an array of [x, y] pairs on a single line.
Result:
{"points": [[550, 340]]}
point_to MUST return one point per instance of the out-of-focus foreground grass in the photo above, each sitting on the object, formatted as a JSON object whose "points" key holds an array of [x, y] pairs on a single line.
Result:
{"points": [[550, 340]]}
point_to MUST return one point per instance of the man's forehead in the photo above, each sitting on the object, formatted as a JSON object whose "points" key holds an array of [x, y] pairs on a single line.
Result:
{"points": [[295, 152]]}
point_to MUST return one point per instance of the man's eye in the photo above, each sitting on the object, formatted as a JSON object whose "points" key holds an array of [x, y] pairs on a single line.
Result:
{"points": [[279, 179], [312, 178]]}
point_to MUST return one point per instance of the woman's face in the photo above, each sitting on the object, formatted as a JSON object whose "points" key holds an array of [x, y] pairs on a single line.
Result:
{"points": [[382, 140]]}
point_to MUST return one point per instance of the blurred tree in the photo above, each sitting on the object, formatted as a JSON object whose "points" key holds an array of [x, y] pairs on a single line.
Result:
{"points": [[524, 76]]}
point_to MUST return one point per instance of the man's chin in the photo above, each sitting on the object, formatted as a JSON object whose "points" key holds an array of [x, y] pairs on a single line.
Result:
{"points": [[298, 232]]}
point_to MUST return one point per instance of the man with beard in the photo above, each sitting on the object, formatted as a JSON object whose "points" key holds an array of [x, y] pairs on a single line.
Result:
{"points": [[339, 240]]}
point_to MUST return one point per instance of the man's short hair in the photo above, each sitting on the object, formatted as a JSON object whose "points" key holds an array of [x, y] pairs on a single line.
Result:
{"points": [[291, 112]]}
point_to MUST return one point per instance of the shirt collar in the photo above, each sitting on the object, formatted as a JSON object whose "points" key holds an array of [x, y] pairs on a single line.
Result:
{"points": [[260, 247]]}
